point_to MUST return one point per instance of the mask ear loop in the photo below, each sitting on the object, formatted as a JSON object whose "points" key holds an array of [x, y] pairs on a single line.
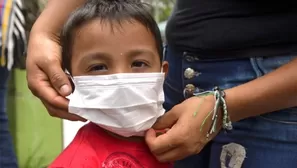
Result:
{"points": [[70, 77]]}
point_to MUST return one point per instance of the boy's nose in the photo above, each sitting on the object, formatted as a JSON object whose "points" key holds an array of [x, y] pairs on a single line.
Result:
{"points": [[122, 69]]}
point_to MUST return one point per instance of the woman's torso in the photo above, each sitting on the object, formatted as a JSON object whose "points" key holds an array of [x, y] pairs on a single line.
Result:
{"points": [[232, 28]]}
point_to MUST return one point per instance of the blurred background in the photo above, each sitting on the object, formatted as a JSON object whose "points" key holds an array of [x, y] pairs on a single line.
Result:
{"points": [[39, 138]]}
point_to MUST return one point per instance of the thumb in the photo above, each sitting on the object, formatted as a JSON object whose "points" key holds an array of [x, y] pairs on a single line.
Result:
{"points": [[167, 120], [58, 78]]}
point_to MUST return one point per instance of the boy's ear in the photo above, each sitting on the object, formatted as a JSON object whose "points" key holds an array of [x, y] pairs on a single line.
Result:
{"points": [[165, 67]]}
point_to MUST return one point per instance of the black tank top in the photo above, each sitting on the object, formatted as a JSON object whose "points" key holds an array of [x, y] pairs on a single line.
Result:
{"points": [[234, 28]]}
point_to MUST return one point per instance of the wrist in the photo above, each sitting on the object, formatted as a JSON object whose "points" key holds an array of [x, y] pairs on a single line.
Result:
{"points": [[42, 29], [235, 104], [43, 34], [211, 121]]}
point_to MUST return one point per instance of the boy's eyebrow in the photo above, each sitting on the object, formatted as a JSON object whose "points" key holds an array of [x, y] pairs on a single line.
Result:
{"points": [[106, 56], [136, 52], [95, 56]]}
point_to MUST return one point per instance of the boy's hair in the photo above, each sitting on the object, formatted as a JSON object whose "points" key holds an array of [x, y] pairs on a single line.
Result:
{"points": [[112, 11]]}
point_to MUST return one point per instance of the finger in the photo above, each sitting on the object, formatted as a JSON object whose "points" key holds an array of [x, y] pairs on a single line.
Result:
{"points": [[62, 113], [159, 144], [167, 120], [44, 91], [66, 115], [172, 155], [59, 80], [150, 136], [56, 105]]}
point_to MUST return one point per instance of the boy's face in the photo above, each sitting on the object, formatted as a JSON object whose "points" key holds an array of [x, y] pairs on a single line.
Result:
{"points": [[101, 49]]}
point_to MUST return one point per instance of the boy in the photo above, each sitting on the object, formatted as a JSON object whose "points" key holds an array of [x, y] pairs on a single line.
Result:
{"points": [[113, 50]]}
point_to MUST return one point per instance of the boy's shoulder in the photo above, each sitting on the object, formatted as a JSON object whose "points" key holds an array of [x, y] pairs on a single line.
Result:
{"points": [[93, 147], [79, 152]]}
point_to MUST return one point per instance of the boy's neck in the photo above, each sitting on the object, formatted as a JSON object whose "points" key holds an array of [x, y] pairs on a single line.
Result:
{"points": [[132, 139]]}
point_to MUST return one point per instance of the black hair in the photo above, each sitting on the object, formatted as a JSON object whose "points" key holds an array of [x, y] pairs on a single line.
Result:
{"points": [[111, 11]]}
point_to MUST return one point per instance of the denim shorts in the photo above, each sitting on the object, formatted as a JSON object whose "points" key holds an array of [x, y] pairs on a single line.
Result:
{"points": [[265, 141]]}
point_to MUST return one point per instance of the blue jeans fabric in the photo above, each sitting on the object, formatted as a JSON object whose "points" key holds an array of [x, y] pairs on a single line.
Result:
{"points": [[266, 141], [7, 155]]}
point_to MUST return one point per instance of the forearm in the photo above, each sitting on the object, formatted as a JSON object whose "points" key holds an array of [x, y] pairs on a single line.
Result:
{"points": [[274, 91], [55, 15]]}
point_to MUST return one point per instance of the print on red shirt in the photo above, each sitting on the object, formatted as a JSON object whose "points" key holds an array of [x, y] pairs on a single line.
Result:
{"points": [[121, 160], [92, 147]]}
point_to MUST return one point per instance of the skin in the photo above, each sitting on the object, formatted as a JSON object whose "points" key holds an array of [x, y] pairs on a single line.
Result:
{"points": [[179, 142], [45, 77], [184, 138], [99, 49]]}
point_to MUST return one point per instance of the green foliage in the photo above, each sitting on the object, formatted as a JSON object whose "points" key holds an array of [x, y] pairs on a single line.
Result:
{"points": [[162, 9], [35, 159]]}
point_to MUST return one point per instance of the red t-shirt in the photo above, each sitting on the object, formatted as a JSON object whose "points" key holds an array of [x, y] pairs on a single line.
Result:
{"points": [[94, 148]]}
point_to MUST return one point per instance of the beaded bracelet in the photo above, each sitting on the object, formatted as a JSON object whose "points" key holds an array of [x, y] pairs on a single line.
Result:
{"points": [[220, 103]]}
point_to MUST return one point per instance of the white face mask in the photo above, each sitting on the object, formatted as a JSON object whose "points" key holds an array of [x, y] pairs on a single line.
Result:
{"points": [[126, 104]]}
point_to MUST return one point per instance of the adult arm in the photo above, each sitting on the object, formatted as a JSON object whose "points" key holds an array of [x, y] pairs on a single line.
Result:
{"points": [[45, 77], [54, 16], [274, 91]]}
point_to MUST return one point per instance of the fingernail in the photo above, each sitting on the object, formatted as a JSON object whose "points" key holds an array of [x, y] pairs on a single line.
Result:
{"points": [[65, 89]]}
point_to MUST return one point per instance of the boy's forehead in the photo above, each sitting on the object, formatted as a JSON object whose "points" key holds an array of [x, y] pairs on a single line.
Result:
{"points": [[115, 28], [123, 35], [99, 38]]}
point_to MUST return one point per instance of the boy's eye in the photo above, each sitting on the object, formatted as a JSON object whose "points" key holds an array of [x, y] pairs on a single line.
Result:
{"points": [[139, 64], [98, 68]]}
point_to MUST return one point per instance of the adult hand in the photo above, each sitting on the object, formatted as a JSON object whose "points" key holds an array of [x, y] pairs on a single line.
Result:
{"points": [[45, 77], [185, 136]]}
